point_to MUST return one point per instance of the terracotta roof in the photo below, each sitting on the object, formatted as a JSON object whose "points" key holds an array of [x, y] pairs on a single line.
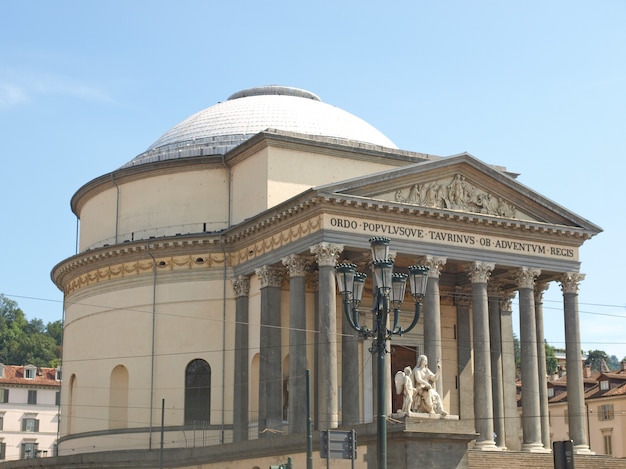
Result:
{"points": [[14, 374]]}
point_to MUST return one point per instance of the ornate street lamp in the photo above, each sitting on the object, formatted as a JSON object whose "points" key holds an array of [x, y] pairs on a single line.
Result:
{"points": [[389, 289]]}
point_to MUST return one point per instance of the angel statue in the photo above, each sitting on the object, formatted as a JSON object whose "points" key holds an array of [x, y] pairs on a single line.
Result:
{"points": [[424, 381], [404, 386]]}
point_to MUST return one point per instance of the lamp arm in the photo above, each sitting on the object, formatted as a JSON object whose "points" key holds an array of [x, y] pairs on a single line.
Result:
{"points": [[347, 310], [416, 317], [396, 329]]}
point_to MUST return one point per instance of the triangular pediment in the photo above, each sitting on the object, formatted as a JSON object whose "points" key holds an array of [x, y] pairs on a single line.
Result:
{"points": [[460, 183]]}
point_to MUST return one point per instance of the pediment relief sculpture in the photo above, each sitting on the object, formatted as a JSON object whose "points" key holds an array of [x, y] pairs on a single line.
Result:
{"points": [[455, 193]]}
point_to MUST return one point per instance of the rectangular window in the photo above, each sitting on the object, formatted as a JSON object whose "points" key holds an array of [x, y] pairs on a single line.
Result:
{"points": [[32, 396], [605, 412], [608, 444], [4, 396], [57, 398], [29, 450], [1, 422], [604, 385], [29, 373], [30, 425], [3, 450]]}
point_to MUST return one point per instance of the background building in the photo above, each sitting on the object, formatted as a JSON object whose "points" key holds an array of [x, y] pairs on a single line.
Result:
{"points": [[29, 411], [605, 404], [203, 287]]}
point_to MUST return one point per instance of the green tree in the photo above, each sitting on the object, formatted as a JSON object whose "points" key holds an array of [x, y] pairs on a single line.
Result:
{"points": [[595, 358], [25, 342], [551, 362]]}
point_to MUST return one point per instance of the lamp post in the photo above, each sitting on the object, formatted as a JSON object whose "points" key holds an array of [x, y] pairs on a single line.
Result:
{"points": [[389, 289]]}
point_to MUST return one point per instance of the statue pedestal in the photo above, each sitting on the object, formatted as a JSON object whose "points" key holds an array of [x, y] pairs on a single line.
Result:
{"points": [[427, 441]]}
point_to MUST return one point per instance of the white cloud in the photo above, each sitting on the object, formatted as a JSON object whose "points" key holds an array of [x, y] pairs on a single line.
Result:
{"points": [[23, 87], [11, 95]]}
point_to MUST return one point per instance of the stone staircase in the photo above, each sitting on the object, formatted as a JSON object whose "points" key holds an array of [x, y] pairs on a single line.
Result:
{"points": [[517, 460]]}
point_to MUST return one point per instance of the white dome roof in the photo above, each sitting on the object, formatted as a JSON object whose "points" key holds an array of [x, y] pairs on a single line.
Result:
{"points": [[222, 127]]}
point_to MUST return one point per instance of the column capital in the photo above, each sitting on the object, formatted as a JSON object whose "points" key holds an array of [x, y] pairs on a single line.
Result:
{"points": [[494, 289], [241, 284], [506, 302], [269, 276], [479, 272], [296, 265], [525, 277], [539, 289], [326, 254], [570, 281], [434, 263]]}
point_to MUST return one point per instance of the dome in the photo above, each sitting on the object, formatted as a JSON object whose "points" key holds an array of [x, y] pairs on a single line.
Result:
{"points": [[222, 127]]}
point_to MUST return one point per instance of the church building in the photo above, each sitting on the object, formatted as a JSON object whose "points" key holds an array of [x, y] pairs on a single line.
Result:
{"points": [[204, 288]]}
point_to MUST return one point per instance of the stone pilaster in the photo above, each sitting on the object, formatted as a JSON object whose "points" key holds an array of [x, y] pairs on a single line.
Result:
{"points": [[575, 386], [479, 273], [432, 314], [296, 386], [270, 369], [241, 285], [531, 421], [326, 255]]}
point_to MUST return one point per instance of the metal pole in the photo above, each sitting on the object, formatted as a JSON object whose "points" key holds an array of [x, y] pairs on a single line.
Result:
{"points": [[381, 434], [309, 425], [162, 432]]}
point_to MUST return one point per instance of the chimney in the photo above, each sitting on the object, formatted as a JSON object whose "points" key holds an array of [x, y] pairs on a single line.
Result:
{"points": [[622, 364], [587, 371]]}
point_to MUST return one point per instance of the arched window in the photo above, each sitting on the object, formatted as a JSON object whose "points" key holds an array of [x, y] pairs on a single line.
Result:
{"points": [[118, 398], [198, 393]]}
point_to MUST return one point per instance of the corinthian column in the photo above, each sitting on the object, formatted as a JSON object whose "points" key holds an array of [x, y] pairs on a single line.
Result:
{"points": [[575, 387], [495, 348], [511, 416], [296, 386], [326, 255], [541, 362], [432, 314], [241, 285], [270, 374], [531, 421], [479, 273]]}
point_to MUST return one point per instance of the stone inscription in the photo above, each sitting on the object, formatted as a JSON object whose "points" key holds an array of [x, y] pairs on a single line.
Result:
{"points": [[429, 235]]}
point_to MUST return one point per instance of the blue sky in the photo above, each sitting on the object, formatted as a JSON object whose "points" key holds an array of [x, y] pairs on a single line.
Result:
{"points": [[536, 86]]}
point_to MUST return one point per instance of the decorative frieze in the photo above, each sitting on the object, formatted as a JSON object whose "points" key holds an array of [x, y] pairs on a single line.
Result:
{"points": [[136, 268], [277, 240], [570, 281], [456, 193]]}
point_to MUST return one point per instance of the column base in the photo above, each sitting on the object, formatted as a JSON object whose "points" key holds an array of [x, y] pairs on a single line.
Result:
{"points": [[583, 449], [487, 445], [534, 448]]}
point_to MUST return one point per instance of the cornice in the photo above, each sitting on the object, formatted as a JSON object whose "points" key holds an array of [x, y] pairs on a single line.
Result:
{"points": [[276, 227]]}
